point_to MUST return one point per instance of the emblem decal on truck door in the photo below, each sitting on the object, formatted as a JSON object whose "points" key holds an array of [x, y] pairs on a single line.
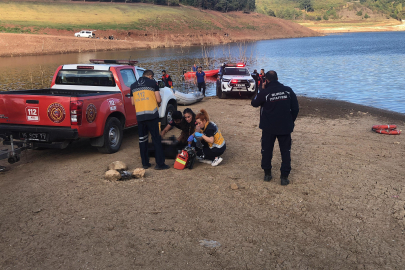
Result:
{"points": [[56, 112], [91, 113]]}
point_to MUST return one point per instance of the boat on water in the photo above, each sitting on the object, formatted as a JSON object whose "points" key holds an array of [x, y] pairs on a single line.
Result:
{"points": [[208, 73], [188, 98]]}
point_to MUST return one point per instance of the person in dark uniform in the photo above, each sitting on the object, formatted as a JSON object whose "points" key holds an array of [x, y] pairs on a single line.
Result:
{"points": [[167, 79], [199, 79], [255, 77], [279, 109], [146, 98], [175, 122]]}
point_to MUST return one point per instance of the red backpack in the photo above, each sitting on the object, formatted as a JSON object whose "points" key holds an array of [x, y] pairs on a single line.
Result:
{"points": [[185, 159]]}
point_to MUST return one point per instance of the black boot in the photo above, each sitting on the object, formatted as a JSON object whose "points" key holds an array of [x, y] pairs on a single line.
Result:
{"points": [[284, 180], [267, 175]]}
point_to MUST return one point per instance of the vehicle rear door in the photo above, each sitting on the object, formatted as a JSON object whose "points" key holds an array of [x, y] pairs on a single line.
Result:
{"points": [[127, 78], [41, 110]]}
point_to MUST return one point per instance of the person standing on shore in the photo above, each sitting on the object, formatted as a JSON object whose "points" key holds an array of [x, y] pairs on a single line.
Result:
{"points": [[146, 98], [255, 77], [279, 109], [262, 78], [167, 79], [199, 80]]}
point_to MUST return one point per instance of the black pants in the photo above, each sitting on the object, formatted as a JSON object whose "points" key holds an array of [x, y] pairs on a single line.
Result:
{"points": [[210, 154], [284, 142], [201, 85], [151, 126]]}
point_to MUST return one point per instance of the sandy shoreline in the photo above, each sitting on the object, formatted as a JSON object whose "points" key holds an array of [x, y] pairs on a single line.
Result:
{"points": [[343, 210]]}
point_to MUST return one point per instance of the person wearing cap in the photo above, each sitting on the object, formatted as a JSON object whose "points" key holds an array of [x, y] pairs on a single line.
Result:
{"points": [[175, 122], [167, 79], [279, 109], [146, 99], [199, 80]]}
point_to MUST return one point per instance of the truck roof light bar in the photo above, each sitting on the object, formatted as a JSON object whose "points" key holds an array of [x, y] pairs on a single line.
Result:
{"points": [[235, 65], [108, 61]]}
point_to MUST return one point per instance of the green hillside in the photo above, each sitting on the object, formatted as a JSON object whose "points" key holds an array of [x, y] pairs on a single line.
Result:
{"points": [[331, 9]]}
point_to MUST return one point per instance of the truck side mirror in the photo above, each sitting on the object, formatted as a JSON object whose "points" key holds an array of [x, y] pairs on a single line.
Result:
{"points": [[161, 84]]}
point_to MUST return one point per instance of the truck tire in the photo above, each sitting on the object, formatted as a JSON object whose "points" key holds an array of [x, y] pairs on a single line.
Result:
{"points": [[220, 94], [168, 115], [113, 134]]}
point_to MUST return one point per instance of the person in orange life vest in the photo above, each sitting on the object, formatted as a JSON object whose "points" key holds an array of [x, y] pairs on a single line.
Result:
{"points": [[166, 79], [262, 78], [213, 144]]}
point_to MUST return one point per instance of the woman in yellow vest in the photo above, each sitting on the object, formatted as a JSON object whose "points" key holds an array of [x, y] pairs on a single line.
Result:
{"points": [[211, 137]]}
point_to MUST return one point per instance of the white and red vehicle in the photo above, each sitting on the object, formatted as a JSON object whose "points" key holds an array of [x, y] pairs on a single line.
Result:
{"points": [[84, 101], [235, 78]]}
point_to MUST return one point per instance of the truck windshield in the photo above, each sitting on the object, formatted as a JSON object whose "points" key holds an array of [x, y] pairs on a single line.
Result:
{"points": [[236, 71], [85, 77]]}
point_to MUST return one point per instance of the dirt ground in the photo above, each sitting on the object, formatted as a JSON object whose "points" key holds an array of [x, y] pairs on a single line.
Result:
{"points": [[343, 210]]}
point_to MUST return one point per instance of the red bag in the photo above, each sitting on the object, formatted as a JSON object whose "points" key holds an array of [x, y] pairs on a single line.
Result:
{"points": [[185, 159], [181, 160]]}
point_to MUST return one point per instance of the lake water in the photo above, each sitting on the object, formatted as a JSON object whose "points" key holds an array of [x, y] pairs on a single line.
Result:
{"points": [[363, 68]]}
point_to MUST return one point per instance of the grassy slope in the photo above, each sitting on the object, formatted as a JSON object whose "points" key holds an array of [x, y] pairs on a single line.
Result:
{"points": [[319, 5], [102, 16]]}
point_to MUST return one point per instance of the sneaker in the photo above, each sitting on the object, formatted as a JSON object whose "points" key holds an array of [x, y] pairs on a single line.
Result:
{"points": [[216, 161], [163, 167], [147, 166], [284, 180]]}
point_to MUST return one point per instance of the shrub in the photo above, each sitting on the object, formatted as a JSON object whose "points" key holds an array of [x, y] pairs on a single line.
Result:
{"points": [[318, 18], [366, 16], [325, 17], [271, 13], [359, 13]]}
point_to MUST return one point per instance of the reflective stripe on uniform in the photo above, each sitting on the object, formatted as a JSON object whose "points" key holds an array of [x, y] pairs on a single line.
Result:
{"points": [[143, 139], [147, 112]]}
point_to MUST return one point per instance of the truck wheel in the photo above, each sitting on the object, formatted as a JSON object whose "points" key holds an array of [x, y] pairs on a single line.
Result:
{"points": [[222, 94], [113, 134], [169, 114]]}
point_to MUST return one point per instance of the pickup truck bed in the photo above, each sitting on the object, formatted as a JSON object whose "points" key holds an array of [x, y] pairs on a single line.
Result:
{"points": [[58, 92]]}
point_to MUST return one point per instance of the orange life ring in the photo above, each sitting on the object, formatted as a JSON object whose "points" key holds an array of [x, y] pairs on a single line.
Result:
{"points": [[389, 127], [388, 131]]}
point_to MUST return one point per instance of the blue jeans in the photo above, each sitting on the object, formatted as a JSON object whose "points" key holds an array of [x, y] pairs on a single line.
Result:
{"points": [[152, 126]]}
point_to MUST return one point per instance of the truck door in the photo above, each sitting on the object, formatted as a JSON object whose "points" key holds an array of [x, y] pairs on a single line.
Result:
{"points": [[127, 78]]}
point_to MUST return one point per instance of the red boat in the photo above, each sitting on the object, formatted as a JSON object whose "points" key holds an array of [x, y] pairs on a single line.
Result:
{"points": [[208, 73]]}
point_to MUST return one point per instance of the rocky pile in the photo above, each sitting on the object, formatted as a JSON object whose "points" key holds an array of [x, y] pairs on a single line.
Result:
{"points": [[118, 171]]}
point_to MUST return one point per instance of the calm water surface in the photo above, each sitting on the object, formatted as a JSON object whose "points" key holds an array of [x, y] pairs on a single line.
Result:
{"points": [[363, 68]]}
